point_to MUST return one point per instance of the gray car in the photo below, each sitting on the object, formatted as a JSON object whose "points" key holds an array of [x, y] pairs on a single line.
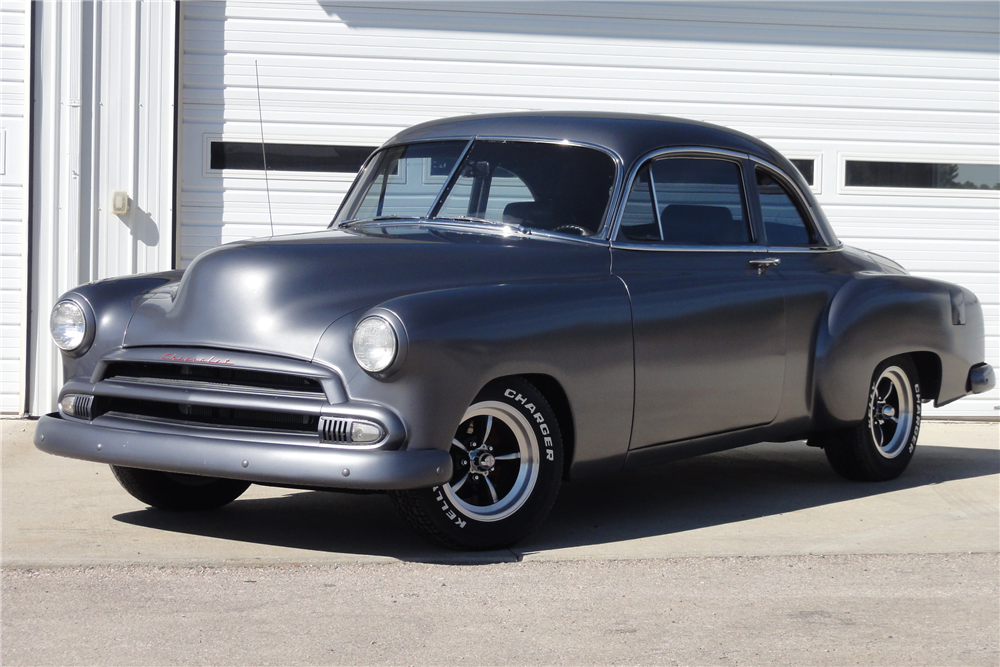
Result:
{"points": [[504, 302]]}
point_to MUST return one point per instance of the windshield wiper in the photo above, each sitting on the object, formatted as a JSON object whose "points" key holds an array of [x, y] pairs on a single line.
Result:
{"points": [[379, 218]]}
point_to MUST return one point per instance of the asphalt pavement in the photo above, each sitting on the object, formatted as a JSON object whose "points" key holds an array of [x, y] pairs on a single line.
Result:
{"points": [[756, 556]]}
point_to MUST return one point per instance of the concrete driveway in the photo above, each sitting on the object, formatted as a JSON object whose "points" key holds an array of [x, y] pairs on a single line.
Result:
{"points": [[764, 500], [756, 556]]}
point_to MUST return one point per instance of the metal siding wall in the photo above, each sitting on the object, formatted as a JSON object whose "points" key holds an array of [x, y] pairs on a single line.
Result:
{"points": [[881, 80], [105, 123], [14, 77]]}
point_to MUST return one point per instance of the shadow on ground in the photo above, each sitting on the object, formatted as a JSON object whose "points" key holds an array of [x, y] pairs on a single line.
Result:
{"points": [[753, 482]]}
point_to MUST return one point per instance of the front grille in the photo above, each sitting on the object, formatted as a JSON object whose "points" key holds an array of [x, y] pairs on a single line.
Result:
{"points": [[208, 415], [334, 430], [211, 374]]}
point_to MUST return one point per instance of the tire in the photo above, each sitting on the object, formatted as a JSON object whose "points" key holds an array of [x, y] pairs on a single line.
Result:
{"points": [[508, 461], [177, 492], [880, 448]]}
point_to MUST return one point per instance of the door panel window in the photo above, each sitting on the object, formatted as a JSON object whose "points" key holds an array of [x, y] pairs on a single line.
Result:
{"points": [[687, 201], [784, 223], [639, 220]]}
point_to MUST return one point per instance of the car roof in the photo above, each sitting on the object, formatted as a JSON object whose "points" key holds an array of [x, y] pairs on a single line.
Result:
{"points": [[630, 136]]}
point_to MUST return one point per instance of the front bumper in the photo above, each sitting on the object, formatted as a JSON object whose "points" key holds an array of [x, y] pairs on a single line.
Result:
{"points": [[263, 462]]}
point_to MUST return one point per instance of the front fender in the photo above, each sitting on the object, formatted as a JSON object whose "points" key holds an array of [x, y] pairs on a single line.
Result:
{"points": [[877, 316], [111, 304], [578, 332]]}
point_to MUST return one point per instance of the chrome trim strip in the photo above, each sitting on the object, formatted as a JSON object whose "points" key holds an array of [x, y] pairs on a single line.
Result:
{"points": [[659, 247], [809, 249], [328, 378]]}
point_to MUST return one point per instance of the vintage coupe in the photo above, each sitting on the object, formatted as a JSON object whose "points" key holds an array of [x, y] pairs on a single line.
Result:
{"points": [[504, 302]]}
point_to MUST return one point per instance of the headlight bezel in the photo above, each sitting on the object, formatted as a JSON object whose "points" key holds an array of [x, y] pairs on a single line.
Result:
{"points": [[81, 306], [395, 326]]}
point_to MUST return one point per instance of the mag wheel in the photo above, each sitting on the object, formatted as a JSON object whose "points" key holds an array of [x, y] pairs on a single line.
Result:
{"points": [[177, 492], [507, 457], [881, 447]]}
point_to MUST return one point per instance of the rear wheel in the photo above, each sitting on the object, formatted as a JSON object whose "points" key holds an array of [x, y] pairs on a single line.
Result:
{"points": [[881, 447], [507, 458], [177, 492]]}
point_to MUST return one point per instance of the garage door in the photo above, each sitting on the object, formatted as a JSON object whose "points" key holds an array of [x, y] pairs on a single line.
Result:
{"points": [[890, 109]]}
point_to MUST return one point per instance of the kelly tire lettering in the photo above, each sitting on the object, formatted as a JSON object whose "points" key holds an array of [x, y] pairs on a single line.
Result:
{"points": [[507, 456]]}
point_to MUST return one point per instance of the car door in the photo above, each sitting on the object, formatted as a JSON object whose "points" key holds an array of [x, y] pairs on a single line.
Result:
{"points": [[811, 271], [708, 315]]}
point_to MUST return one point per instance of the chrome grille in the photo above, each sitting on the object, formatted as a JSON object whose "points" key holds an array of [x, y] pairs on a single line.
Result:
{"points": [[207, 374], [207, 415], [333, 430]]}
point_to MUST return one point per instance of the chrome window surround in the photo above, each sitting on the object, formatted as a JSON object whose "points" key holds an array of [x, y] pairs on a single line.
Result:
{"points": [[806, 207], [687, 151], [601, 235]]}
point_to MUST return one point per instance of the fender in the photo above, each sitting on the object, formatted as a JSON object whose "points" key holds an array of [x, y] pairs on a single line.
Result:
{"points": [[109, 306], [578, 332], [877, 316]]}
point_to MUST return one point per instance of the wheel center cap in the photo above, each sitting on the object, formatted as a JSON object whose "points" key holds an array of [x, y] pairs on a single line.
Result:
{"points": [[888, 411], [481, 461]]}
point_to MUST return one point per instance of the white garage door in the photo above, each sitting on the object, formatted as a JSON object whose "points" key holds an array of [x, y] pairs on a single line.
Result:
{"points": [[837, 87]]}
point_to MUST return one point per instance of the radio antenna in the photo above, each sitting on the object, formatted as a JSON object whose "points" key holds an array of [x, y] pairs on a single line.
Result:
{"points": [[263, 150]]}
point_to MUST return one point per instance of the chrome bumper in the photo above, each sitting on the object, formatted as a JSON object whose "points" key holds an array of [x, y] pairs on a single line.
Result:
{"points": [[259, 461]]}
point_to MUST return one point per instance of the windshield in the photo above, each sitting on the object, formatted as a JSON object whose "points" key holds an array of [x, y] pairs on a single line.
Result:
{"points": [[544, 186]]}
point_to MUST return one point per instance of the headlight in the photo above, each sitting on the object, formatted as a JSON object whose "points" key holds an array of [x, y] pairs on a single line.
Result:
{"points": [[374, 344], [68, 325]]}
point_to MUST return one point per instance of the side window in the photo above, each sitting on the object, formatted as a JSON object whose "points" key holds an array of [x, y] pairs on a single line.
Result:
{"points": [[639, 219], [692, 201], [784, 223]]}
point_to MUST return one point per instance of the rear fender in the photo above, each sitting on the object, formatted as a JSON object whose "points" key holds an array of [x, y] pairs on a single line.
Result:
{"points": [[878, 316]]}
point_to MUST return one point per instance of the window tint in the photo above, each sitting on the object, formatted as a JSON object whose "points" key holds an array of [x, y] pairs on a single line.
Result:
{"points": [[639, 220], [504, 188], [550, 187], [699, 201], [783, 221]]}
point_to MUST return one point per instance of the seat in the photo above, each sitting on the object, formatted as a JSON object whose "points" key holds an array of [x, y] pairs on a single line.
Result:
{"points": [[529, 213], [689, 224]]}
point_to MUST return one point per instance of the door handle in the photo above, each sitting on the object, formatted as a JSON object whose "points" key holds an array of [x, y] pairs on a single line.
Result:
{"points": [[764, 264]]}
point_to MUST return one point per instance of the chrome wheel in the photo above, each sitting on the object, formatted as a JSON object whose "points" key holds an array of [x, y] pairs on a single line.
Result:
{"points": [[891, 410], [496, 459]]}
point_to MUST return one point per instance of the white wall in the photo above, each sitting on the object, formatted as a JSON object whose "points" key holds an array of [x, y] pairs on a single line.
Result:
{"points": [[15, 19], [104, 121]]}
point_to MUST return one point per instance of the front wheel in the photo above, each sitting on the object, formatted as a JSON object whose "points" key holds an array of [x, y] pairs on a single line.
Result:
{"points": [[177, 492], [881, 447], [507, 456]]}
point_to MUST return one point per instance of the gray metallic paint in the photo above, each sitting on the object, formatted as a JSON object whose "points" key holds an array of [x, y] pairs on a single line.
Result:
{"points": [[721, 355]]}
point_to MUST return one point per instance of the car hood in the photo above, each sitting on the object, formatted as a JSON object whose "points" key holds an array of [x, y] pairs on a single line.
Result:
{"points": [[279, 295]]}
